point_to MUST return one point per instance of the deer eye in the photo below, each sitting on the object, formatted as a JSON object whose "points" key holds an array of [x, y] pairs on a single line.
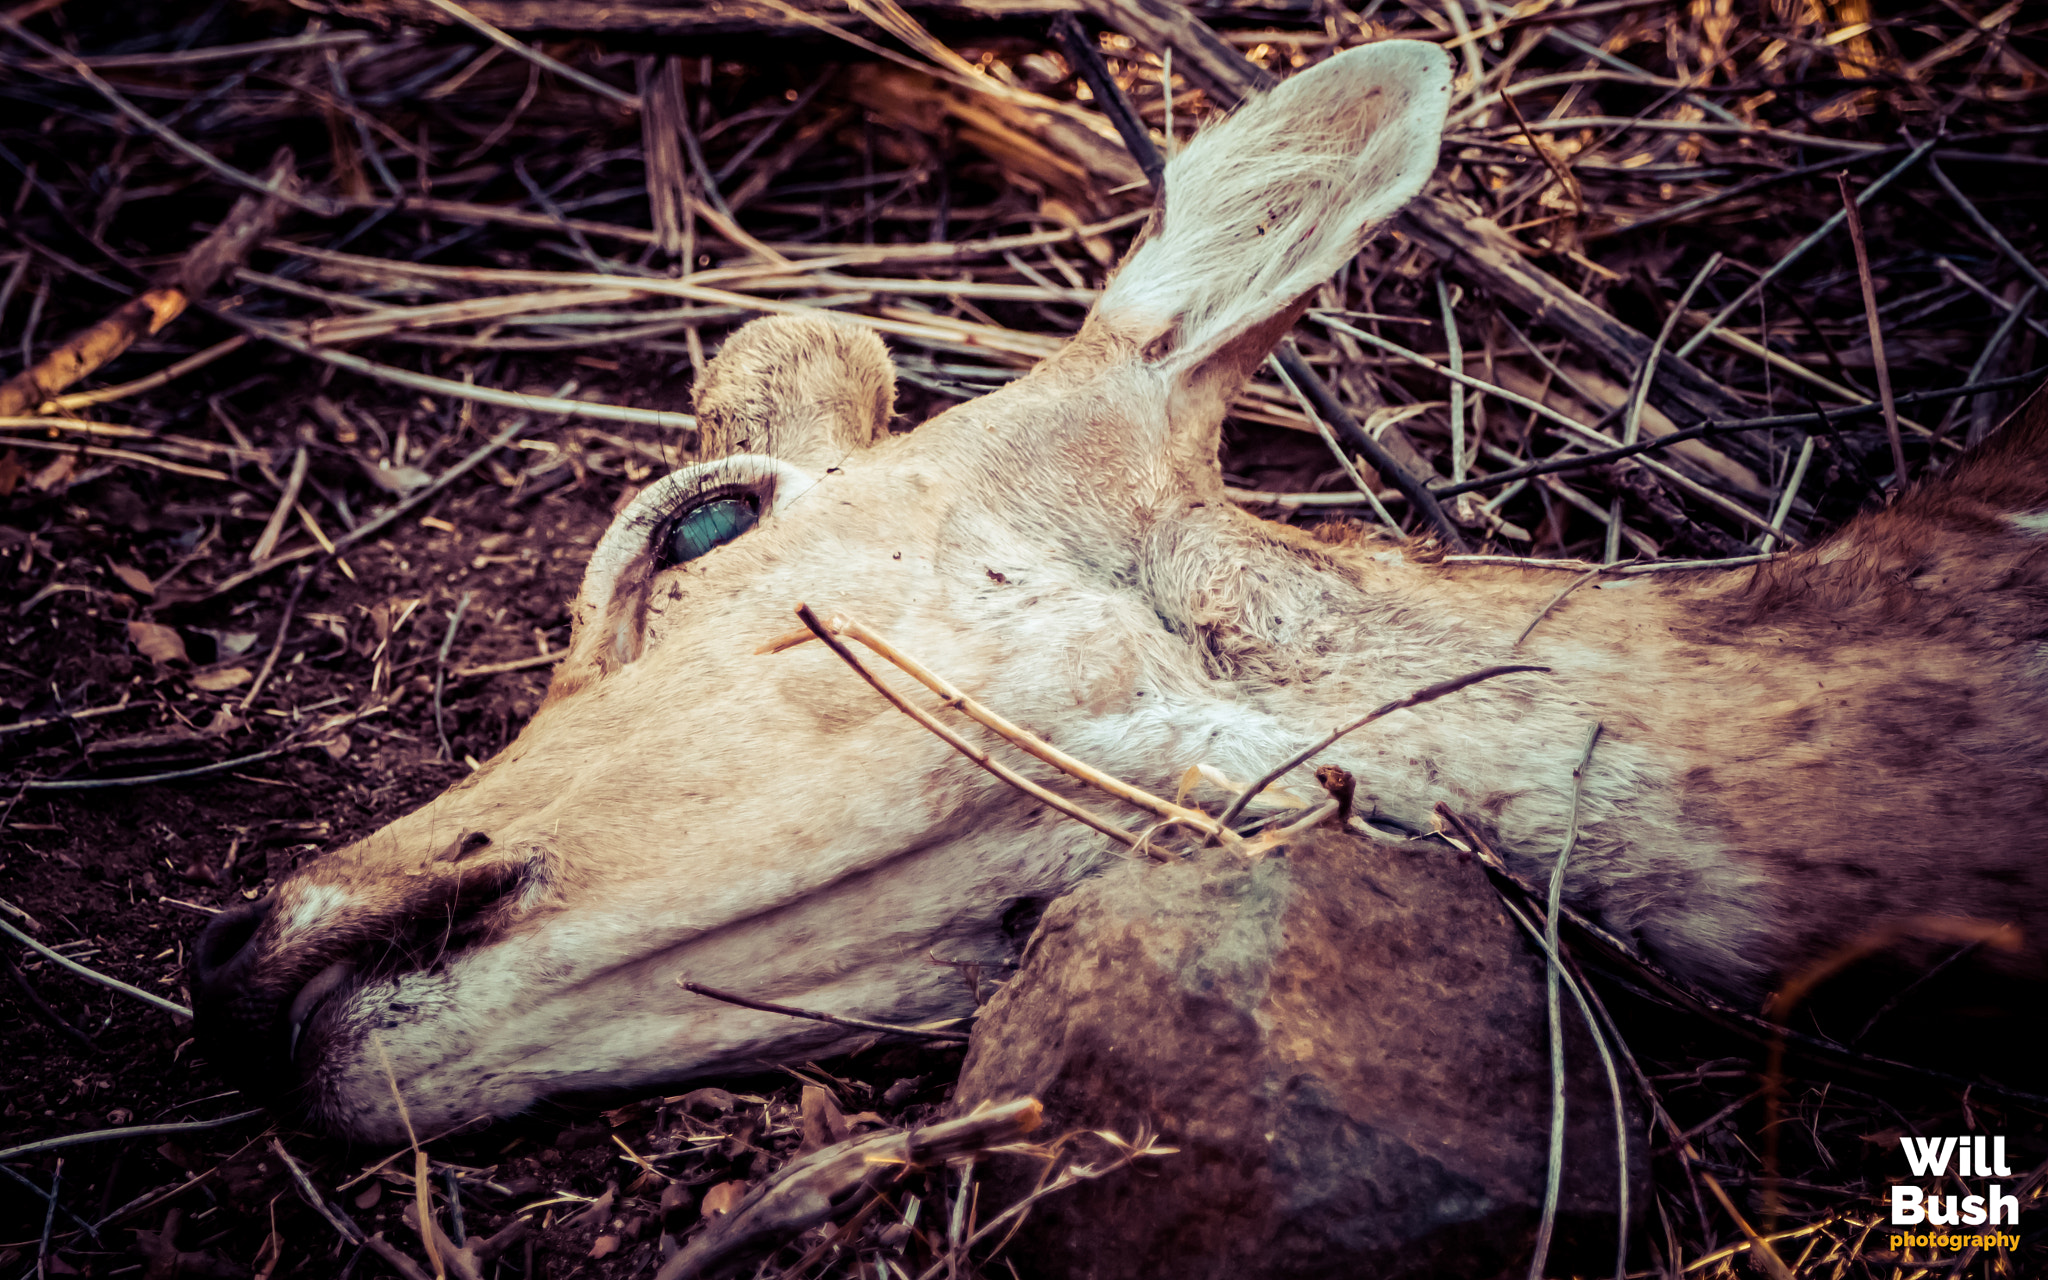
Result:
{"points": [[703, 526]]}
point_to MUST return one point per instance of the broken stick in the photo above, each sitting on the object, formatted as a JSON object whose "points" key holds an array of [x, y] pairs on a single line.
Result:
{"points": [[251, 219]]}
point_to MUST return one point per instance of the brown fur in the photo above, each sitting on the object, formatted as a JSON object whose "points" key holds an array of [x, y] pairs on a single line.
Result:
{"points": [[1895, 676]]}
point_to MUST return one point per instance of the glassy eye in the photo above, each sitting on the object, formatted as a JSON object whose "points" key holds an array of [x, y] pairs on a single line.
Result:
{"points": [[706, 526]]}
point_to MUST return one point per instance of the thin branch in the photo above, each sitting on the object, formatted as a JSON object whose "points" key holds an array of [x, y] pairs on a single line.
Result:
{"points": [[125, 456], [1419, 495], [813, 1188], [177, 142], [530, 663], [105, 395], [1799, 250], [441, 671], [1416, 699], [1976, 286], [147, 997], [284, 625], [152, 779], [292, 742], [467, 391], [1679, 212], [1584, 998], [372, 527], [1086, 58], [89, 713], [955, 741], [1792, 484], [1991, 231], [129, 1131], [1554, 1179], [609, 92], [393, 1256], [1558, 599], [974, 710], [1985, 359], [1632, 419], [1574, 426], [1708, 429], [1883, 369], [1363, 491], [858, 1024], [49, 1199]]}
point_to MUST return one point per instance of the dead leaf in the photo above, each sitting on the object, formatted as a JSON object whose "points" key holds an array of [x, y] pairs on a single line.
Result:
{"points": [[268, 1256], [134, 579], [595, 1212], [222, 679], [398, 481], [157, 642], [823, 1123], [604, 1246], [56, 475], [1388, 414], [724, 1198], [234, 642], [368, 1197], [337, 746]]}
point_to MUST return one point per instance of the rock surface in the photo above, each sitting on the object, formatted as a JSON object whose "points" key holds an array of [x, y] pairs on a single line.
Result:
{"points": [[1347, 1043]]}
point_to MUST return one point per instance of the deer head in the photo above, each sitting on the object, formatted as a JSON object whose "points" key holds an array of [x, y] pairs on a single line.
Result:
{"points": [[681, 805]]}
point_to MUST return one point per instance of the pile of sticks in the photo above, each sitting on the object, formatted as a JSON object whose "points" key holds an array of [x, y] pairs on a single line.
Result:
{"points": [[1642, 225]]}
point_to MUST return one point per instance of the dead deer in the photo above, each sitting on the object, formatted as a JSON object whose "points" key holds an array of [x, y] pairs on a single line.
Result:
{"points": [[1794, 751]]}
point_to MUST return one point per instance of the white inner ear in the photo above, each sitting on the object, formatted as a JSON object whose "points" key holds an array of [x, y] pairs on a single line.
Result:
{"points": [[631, 537], [1269, 203]]}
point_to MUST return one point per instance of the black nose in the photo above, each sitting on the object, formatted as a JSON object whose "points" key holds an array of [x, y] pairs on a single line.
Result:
{"points": [[236, 1018], [222, 957]]}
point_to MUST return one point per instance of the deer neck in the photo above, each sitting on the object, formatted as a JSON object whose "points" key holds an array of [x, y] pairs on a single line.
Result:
{"points": [[1283, 639]]}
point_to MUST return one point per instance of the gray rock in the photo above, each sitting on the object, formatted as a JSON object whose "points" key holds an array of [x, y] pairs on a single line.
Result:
{"points": [[1347, 1043]]}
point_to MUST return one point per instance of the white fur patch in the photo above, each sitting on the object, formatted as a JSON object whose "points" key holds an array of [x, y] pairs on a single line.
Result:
{"points": [[2035, 522], [315, 903]]}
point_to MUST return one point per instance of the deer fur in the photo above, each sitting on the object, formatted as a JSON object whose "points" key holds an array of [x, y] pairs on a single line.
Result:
{"points": [[1793, 752]]}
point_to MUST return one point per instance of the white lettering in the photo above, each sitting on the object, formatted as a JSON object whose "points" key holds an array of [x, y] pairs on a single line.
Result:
{"points": [[2005, 1209], [1963, 1169], [1906, 1210], [1973, 1211], [1930, 1159], [1997, 1159], [1941, 1210]]}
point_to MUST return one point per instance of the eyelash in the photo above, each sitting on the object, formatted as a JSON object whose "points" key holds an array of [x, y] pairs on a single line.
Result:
{"points": [[667, 554]]}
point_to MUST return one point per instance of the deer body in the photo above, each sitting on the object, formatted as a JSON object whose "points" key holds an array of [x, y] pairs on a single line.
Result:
{"points": [[1792, 750]]}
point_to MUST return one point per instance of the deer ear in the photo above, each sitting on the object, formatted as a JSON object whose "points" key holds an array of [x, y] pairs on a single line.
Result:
{"points": [[1271, 202]]}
